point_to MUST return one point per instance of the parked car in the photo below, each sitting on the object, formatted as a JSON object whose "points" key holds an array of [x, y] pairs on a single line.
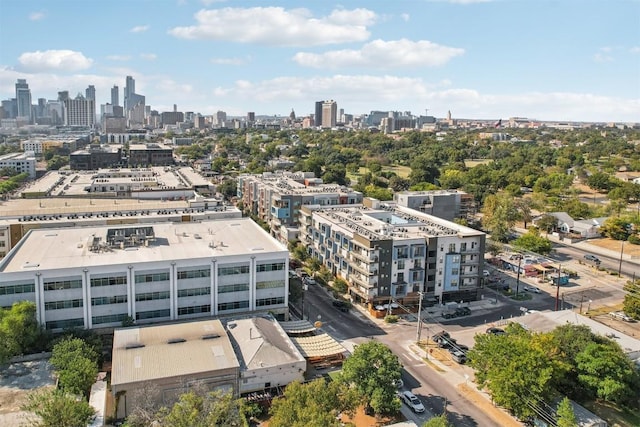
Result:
{"points": [[341, 305], [486, 273], [620, 315], [309, 280], [463, 311], [459, 356], [450, 314], [447, 342], [532, 289], [496, 331], [398, 383], [412, 401], [458, 347], [592, 258], [439, 335]]}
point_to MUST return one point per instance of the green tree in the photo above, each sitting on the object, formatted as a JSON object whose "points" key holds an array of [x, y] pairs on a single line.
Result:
{"points": [[615, 227], [371, 370], [566, 416], [631, 303], [19, 331], [315, 404], [54, 408], [547, 223], [439, 421], [57, 162], [499, 216], [600, 181], [533, 241], [212, 409], [608, 372], [76, 363]]}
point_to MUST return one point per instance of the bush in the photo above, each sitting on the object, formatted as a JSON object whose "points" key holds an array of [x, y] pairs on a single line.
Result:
{"points": [[634, 239], [340, 285], [391, 318]]}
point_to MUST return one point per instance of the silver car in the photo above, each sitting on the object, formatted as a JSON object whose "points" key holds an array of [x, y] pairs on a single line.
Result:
{"points": [[412, 401]]}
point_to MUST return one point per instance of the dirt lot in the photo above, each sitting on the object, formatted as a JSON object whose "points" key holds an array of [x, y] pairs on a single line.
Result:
{"points": [[616, 245], [16, 382]]}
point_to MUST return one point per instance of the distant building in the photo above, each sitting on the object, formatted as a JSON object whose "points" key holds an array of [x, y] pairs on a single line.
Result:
{"points": [[150, 154], [23, 99], [445, 204], [96, 157], [329, 114], [318, 114], [79, 112], [20, 162]]}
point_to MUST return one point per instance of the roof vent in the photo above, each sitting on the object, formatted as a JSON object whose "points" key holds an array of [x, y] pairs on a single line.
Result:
{"points": [[134, 345], [210, 336], [176, 340]]}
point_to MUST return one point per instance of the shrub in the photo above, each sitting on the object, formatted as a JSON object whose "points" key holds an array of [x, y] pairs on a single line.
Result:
{"points": [[391, 318]]}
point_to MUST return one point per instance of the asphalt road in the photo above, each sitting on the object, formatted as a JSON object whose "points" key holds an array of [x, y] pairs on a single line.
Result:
{"points": [[353, 328]]}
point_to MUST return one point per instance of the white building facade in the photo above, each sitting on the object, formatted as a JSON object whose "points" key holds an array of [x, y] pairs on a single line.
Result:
{"points": [[96, 277]]}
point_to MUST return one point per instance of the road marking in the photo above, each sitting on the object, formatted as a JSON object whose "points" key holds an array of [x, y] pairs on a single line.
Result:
{"points": [[332, 328]]}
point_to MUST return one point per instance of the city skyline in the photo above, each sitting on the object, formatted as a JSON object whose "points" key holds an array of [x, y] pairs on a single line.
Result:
{"points": [[565, 61]]}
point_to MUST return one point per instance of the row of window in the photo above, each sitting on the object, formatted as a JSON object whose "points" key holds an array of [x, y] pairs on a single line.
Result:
{"points": [[270, 284], [109, 318], [108, 281], [276, 266], [269, 301], [237, 287], [116, 299], [65, 324], [229, 271], [58, 285], [18, 288], [194, 292], [152, 314], [60, 305], [194, 274], [235, 305], [152, 277], [183, 311], [150, 296]]}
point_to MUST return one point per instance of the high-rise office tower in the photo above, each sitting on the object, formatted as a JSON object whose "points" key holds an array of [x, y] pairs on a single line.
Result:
{"points": [[23, 98], [329, 113], [79, 112], [317, 120], [115, 96], [63, 95], [129, 89], [90, 93]]}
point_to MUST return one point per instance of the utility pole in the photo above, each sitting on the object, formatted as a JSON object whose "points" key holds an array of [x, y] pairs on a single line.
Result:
{"points": [[620, 265], [419, 330], [518, 277], [558, 286]]}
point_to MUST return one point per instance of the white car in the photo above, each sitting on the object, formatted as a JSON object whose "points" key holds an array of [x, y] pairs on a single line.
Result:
{"points": [[412, 401], [532, 289], [309, 281], [486, 273]]}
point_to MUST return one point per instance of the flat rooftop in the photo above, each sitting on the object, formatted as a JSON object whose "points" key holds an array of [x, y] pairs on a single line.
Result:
{"points": [[61, 248], [169, 351]]}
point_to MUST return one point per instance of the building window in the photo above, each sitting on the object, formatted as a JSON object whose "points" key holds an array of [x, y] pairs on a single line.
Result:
{"points": [[18, 288], [229, 271], [58, 285], [151, 296], [110, 318], [60, 305], [276, 266], [269, 301], [65, 324], [116, 299], [401, 264], [270, 284], [108, 281], [237, 287], [152, 314], [152, 277], [183, 311], [463, 246], [452, 247], [235, 305], [194, 274], [194, 292]]}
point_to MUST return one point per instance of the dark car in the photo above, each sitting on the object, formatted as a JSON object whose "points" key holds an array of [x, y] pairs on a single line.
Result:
{"points": [[463, 311], [450, 314], [496, 331], [341, 305], [592, 258], [458, 347], [442, 334], [447, 342]]}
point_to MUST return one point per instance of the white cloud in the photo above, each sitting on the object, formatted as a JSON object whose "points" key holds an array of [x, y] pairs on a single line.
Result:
{"points": [[36, 16], [276, 26], [60, 60], [603, 54], [119, 57], [139, 29], [383, 54], [210, 2], [231, 61], [635, 49], [149, 56], [405, 17]]}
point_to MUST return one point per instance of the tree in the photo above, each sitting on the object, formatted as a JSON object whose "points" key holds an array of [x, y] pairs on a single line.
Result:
{"points": [[211, 409], [57, 162], [532, 241], [19, 331], [631, 304], [499, 216], [315, 404], [54, 408], [371, 370], [76, 363], [547, 223], [566, 416], [615, 227], [439, 421]]}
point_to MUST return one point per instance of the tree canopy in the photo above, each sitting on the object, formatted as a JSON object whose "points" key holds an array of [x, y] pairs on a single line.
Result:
{"points": [[55, 408], [19, 331]]}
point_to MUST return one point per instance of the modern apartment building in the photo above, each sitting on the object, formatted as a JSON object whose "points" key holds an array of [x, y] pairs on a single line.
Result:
{"points": [[79, 112], [95, 277], [445, 204], [276, 198], [150, 154], [388, 252]]}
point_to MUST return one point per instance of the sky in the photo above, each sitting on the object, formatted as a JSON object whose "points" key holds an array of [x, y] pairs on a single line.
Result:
{"points": [[561, 60]]}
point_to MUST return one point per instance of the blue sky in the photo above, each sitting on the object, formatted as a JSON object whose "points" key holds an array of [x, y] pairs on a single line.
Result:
{"points": [[548, 60]]}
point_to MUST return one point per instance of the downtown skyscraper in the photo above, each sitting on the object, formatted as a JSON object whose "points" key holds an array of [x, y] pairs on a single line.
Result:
{"points": [[23, 99]]}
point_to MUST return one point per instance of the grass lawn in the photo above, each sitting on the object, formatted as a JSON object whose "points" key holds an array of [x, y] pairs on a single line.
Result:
{"points": [[470, 163], [615, 416]]}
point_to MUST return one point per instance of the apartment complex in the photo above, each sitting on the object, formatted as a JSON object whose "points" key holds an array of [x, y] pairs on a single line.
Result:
{"points": [[445, 204], [389, 252], [95, 277], [150, 154], [276, 198], [21, 162]]}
